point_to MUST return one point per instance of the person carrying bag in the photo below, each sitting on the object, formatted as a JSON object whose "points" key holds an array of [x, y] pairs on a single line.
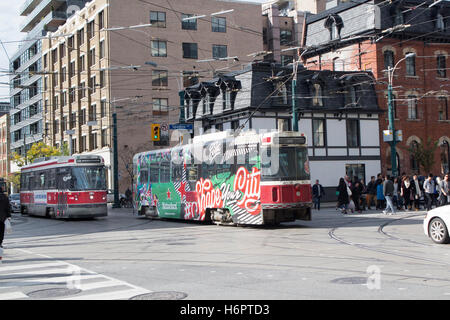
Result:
{"points": [[5, 219]]}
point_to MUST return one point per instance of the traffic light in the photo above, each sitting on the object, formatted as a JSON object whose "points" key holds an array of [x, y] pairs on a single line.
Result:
{"points": [[156, 132]]}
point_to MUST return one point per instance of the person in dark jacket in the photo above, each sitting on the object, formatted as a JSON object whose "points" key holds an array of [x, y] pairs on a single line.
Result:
{"points": [[318, 192], [343, 198], [5, 213], [356, 194], [371, 192]]}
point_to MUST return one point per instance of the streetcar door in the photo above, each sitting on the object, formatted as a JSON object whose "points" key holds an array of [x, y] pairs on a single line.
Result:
{"points": [[64, 179]]}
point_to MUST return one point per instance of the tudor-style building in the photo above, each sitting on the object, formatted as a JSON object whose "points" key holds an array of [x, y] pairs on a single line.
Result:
{"points": [[373, 35], [338, 113]]}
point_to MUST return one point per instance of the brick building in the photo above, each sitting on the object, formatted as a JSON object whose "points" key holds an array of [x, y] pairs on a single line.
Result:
{"points": [[374, 35], [131, 59]]}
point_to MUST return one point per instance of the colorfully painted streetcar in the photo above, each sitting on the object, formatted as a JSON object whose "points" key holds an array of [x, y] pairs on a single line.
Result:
{"points": [[64, 187], [251, 179]]}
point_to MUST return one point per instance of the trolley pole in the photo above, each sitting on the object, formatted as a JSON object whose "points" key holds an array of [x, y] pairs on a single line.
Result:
{"points": [[115, 163]]}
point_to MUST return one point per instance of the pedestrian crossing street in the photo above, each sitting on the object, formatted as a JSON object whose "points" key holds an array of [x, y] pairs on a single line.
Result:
{"points": [[41, 279]]}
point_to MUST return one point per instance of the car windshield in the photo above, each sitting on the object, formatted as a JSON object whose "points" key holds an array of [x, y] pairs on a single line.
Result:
{"points": [[88, 178], [14, 196]]}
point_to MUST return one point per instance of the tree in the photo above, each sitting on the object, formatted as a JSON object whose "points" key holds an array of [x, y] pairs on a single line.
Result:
{"points": [[37, 150], [424, 154]]}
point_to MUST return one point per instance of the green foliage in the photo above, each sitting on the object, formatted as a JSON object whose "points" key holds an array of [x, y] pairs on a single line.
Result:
{"points": [[37, 150], [424, 154]]}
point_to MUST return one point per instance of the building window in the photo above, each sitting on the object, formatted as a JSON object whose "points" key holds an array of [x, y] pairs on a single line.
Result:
{"points": [[80, 36], [411, 65], [188, 24], [159, 78], [190, 50], [74, 146], [62, 51], [388, 59], [353, 133], [159, 48], [220, 51], [73, 120], [104, 138], [356, 170], [285, 60], [63, 74], [160, 106], [445, 160], [441, 68], [440, 23], [71, 69], [189, 78], [93, 113], [72, 94], [318, 127], [83, 144], [91, 57], [92, 85], [101, 20], [93, 141], [226, 99], [443, 109], [398, 20], [70, 43], [103, 108], [285, 37], [82, 64], [158, 19], [91, 29], [102, 78], [317, 95], [101, 52], [219, 24], [412, 107]]}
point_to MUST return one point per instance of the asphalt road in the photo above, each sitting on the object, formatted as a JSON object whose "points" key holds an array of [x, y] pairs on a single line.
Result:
{"points": [[334, 256]]}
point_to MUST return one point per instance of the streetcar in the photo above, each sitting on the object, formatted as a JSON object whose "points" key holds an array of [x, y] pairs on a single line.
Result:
{"points": [[251, 179], [64, 187]]}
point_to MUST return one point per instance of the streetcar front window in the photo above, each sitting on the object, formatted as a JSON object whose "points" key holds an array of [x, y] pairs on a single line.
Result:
{"points": [[88, 178], [292, 164]]}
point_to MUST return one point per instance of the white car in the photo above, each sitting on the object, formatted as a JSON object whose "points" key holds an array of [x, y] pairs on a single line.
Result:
{"points": [[14, 200], [436, 224]]}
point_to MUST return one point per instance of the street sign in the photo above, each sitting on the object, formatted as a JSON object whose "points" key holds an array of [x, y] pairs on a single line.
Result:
{"points": [[181, 126], [389, 137]]}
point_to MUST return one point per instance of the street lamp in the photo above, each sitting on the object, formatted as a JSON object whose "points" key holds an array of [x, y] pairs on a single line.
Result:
{"points": [[391, 128]]}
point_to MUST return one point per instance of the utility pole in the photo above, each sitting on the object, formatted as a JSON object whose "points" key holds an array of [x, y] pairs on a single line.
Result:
{"points": [[115, 162]]}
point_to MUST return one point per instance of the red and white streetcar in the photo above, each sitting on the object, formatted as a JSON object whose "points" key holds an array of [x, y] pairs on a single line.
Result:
{"points": [[64, 187]]}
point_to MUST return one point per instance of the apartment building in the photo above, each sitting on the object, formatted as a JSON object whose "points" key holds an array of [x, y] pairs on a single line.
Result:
{"points": [[130, 60], [42, 16]]}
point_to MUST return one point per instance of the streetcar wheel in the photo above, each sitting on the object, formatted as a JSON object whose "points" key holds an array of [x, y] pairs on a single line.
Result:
{"points": [[438, 231], [51, 213]]}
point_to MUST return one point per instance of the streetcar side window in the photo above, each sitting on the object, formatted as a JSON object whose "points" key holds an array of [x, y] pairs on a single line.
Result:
{"points": [[31, 185], [41, 181], [143, 175], [23, 184], [192, 175], [154, 173], [51, 179], [164, 172]]}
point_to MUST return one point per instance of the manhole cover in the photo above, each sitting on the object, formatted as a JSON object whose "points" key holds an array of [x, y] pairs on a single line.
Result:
{"points": [[53, 293], [350, 280], [162, 295]]}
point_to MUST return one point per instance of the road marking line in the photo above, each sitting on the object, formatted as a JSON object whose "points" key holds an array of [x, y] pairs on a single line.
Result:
{"points": [[13, 295], [102, 284], [38, 272], [31, 266], [114, 295]]}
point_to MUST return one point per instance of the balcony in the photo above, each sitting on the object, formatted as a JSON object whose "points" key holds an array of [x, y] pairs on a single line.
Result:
{"points": [[44, 9], [28, 7]]}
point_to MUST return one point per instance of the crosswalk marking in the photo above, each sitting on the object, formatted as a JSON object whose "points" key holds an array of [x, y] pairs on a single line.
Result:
{"points": [[31, 266], [94, 286], [12, 295]]}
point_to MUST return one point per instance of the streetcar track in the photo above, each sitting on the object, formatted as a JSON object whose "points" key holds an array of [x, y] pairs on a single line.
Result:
{"points": [[332, 235]]}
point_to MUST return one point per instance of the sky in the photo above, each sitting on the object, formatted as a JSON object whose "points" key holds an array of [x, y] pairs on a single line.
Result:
{"points": [[9, 31]]}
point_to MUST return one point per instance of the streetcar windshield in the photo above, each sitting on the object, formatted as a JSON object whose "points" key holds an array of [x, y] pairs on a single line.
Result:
{"points": [[88, 178], [292, 164]]}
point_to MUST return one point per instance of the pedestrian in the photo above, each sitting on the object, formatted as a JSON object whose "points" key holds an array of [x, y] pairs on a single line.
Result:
{"points": [[363, 189], [406, 194], [445, 188], [428, 188], [343, 198], [318, 191], [380, 196], [5, 213], [417, 191], [356, 195], [396, 196], [388, 193], [371, 192]]}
